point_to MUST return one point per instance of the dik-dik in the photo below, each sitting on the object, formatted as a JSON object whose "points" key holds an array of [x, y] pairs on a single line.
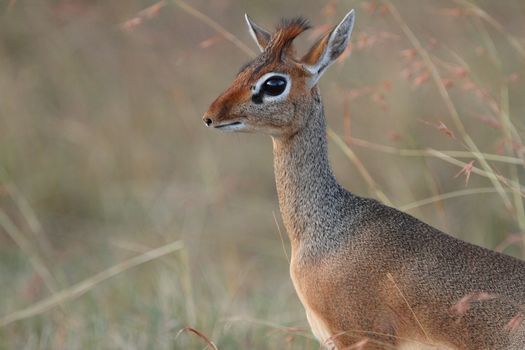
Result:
{"points": [[368, 275]]}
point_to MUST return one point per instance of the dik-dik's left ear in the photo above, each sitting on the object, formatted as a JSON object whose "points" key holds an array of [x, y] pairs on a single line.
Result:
{"points": [[259, 34], [328, 48]]}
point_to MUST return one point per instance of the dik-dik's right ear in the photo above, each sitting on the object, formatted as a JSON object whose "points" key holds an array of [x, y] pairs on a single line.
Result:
{"points": [[259, 34], [328, 48]]}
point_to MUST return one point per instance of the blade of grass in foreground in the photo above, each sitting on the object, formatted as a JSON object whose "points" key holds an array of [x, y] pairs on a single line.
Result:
{"points": [[86, 285]]}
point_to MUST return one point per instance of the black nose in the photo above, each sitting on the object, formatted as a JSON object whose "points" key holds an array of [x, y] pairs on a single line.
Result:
{"points": [[207, 121]]}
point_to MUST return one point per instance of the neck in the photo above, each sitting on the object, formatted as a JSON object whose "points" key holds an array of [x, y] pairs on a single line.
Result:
{"points": [[310, 198]]}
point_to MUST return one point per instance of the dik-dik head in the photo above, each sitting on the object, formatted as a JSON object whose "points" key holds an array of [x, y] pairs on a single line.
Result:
{"points": [[274, 93]]}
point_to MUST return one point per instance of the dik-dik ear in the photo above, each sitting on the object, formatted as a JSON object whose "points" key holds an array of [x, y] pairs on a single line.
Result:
{"points": [[259, 34], [328, 48]]}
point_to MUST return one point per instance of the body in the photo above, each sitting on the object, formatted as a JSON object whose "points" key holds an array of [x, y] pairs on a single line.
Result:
{"points": [[368, 275]]}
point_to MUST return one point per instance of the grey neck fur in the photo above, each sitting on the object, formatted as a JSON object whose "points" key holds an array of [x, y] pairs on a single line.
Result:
{"points": [[315, 208]]}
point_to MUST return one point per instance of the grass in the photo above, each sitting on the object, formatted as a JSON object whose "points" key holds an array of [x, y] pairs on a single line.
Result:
{"points": [[103, 158]]}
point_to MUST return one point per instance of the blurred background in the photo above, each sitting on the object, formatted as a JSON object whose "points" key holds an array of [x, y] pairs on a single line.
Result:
{"points": [[123, 220]]}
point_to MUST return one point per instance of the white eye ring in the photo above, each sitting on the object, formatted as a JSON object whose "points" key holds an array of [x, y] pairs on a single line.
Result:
{"points": [[267, 98]]}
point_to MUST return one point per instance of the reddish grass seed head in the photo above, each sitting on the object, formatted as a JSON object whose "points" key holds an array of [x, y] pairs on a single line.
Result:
{"points": [[462, 306], [466, 170], [515, 323]]}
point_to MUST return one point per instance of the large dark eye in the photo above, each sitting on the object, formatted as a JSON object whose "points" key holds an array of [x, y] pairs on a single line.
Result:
{"points": [[274, 86]]}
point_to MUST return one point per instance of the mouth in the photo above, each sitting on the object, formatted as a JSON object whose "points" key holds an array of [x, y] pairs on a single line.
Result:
{"points": [[234, 126]]}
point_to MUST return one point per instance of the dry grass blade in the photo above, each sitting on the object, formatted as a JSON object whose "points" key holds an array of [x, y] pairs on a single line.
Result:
{"points": [[514, 186], [187, 285], [508, 127], [503, 109], [83, 287], [27, 212], [510, 133], [200, 335], [280, 236], [360, 167], [215, 26], [429, 152], [447, 156], [39, 266], [444, 196], [514, 42], [391, 278], [29, 215], [448, 101], [303, 332]]}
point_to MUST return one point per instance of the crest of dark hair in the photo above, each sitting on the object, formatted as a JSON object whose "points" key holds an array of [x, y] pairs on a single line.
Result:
{"points": [[299, 23], [287, 30]]}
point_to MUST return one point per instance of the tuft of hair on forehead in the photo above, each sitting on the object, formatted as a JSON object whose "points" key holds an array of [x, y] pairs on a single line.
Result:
{"points": [[292, 27], [287, 30]]}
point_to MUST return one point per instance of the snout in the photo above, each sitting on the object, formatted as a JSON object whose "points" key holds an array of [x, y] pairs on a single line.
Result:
{"points": [[224, 124], [219, 112], [212, 120], [216, 114], [225, 113]]}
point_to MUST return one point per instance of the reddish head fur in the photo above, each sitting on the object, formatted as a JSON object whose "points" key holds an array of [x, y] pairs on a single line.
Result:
{"points": [[238, 105]]}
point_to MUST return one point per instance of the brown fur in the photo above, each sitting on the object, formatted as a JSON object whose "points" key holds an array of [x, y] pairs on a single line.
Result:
{"points": [[360, 268]]}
